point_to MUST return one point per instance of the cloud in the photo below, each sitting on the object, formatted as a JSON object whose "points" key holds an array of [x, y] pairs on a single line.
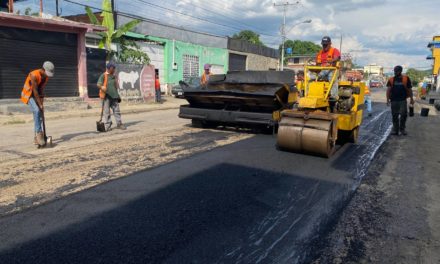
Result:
{"points": [[386, 31]]}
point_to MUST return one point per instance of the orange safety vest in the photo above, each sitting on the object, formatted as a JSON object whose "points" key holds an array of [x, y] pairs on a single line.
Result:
{"points": [[104, 84], [404, 81], [204, 80], [157, 84], [367, 90], [26, 92], [329, 56]]}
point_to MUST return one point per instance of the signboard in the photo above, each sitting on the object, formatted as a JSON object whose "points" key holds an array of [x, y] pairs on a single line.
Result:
{"points": [[289, 50], [136, 82]]}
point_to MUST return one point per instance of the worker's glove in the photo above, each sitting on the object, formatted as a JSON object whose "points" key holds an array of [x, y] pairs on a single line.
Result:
{"points": [[119, 100]]}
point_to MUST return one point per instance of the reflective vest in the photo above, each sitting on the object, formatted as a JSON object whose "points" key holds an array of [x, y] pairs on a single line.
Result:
{"points": [[26, 92], [404, 81], [104, 84], [329, 56], [367, 90], [157, 84], [204, 80]]}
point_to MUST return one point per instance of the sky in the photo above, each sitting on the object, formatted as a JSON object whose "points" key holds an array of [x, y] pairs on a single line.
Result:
{"points": [[385, 32]]}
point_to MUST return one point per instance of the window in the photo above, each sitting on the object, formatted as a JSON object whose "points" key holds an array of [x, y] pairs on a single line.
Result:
{"points": [[190, 66], [295, 60]]}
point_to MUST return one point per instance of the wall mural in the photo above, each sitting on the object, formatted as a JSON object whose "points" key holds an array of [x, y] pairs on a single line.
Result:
{"points": [[136, 82]]}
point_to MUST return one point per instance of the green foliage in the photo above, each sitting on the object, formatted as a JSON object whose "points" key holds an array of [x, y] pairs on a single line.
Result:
{"points": [[301, 47], [28, 12], [417, 76], [129, 51], [248, 35]]}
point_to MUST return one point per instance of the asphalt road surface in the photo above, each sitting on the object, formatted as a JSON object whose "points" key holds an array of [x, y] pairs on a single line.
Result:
{"points": [[242, 203]]}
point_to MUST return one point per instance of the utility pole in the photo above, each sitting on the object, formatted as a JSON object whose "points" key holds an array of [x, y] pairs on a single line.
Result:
{"points": [[41, 8], [56, 6], [115, 15], [11, 6], [283, 28]]}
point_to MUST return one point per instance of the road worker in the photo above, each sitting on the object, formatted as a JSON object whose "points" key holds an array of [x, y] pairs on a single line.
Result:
{"points": [[32, 94], [108, 92], [368, 102], [328, 57], [157, 87], [399, 89], [206, 74]]}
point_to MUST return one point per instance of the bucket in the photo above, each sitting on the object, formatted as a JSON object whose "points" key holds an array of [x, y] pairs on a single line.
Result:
{"points": [[424, 112], [411, 110], [431, 100]]}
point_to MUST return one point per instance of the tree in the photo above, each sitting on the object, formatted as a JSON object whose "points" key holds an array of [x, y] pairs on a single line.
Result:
{"points": [[129, 50], [301, 47], [28, 12], [248, 35], [417, 76]]}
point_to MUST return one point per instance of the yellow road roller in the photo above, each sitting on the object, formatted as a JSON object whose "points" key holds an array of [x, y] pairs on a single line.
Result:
{"points": [[320, 122]]}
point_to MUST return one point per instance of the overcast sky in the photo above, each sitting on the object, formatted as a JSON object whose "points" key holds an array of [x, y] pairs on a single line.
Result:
{"points": [[386, 32]]}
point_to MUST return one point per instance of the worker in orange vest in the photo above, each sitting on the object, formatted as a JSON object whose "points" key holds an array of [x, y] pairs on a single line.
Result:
{"points": [[108, 85], [328, 57], [206, 74], [368, 99], [399, 89], [32, 94], [157, 88]]}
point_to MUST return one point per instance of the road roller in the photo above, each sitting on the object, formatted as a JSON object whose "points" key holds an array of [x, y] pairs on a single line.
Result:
{"points": [[320, 122]]}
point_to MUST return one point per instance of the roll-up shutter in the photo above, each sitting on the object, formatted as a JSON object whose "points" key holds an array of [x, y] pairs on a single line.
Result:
{"points": [[237, 62], [23, 50]]}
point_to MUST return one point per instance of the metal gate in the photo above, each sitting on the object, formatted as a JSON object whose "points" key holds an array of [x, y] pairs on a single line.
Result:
{"points": [[24, 50], [190, 66], [237, 62]]}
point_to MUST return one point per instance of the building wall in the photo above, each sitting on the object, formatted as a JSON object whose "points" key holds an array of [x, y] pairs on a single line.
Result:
{"points": [[256, 62], [217, 57], [373, 69], [436, 56]]}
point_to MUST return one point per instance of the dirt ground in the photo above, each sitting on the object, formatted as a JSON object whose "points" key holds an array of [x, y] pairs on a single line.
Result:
{"points": [[394, 217], [82, 158]]}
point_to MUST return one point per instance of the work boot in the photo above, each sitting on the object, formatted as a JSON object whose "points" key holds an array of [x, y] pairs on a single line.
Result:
{"points": [[121, 126], [403, 132], [40, 139], [35, 140]]}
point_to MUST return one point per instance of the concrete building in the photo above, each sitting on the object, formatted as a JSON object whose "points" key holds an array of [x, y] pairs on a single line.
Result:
{"points": [[245, 56], [434, 46], [179, 53], [27, 41], [297, 62], [373, 69]]}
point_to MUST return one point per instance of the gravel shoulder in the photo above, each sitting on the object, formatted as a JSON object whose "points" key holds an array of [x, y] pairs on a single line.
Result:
{"points": [[82, 158], [394, 217]]}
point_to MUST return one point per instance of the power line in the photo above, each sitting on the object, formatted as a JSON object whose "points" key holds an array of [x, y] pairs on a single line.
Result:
{"points": [[187, 15], [231, 18]]}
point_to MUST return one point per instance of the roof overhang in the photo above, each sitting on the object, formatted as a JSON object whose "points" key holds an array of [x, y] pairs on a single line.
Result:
{"points": [[49, 24], [435, 44]]}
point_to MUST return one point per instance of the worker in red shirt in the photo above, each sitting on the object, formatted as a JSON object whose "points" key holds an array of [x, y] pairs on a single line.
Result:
{"points": [[328, 57], [157, 88]]}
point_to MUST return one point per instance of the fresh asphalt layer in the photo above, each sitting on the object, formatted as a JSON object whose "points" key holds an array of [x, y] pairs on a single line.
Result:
{"points": [[243, 203]]}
